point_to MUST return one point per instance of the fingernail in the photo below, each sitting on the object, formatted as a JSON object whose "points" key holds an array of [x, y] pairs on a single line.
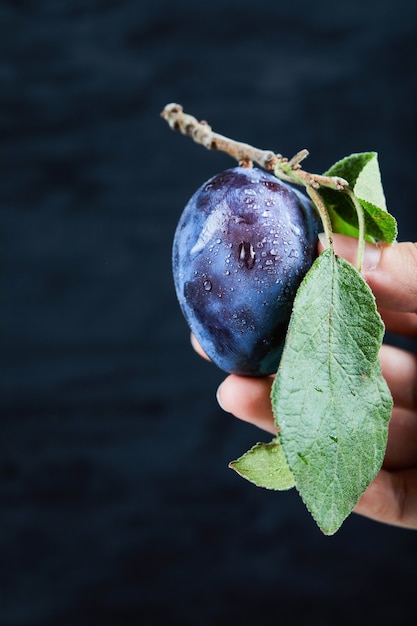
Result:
{"points": [[218, 398], [322, 239], [371, 256]]}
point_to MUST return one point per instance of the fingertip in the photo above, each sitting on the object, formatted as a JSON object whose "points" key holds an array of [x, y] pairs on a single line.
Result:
{"points": [[225, 394], [391, 498], [394, 281], [248, 399], [195, 344], [219, 398], [322, 242]]}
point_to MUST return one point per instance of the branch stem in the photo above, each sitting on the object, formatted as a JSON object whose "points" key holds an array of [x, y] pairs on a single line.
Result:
{"points": [[286, 169]]}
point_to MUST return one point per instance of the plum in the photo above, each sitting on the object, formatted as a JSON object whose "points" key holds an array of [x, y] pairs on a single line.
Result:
{"points": [[243, 244]]}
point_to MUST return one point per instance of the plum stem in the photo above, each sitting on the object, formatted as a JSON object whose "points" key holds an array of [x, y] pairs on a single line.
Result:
{"points": [[284, 168], [361, 227], [324, 215]]}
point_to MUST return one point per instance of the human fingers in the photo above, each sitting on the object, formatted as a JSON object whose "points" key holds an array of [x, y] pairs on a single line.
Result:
{"points": [[391, 498], [399, 369], [195, 344], [249, 400], [399, 323], [401, 450], [390, 270]]}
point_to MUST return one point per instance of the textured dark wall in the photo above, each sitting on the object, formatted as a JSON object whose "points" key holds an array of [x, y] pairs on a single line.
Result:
{"points": [[117, 507]]}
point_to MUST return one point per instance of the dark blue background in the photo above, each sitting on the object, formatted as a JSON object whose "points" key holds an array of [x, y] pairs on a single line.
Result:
{"points": [[117, 506]]}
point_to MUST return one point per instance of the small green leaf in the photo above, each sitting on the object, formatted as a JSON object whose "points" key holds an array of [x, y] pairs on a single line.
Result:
{"points": [[368, 184], [361, 169], [265, 466], [329, 397], [362, 172]]}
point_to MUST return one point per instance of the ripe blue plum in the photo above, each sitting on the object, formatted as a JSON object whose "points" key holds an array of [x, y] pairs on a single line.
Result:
{"points": [[243, 244]]}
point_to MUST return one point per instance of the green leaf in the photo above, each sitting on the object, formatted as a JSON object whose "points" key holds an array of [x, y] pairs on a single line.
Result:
{"points": [[368, 184], [362, 172], [265, 466], [329, 397]]}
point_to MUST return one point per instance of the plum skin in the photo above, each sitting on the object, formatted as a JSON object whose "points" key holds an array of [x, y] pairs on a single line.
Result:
{"points": [[242, 246]]}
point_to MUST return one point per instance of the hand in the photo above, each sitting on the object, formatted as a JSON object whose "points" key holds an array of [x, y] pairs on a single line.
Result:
{"points": [[391, 272]]}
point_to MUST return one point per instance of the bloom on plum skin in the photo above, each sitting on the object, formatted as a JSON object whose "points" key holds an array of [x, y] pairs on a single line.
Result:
{"points": [[243, 244]]}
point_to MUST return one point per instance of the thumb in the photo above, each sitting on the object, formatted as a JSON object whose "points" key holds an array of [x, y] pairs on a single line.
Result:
{"points": [[390, 270]]}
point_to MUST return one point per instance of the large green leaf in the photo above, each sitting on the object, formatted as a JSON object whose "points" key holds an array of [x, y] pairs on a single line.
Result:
{"points": [[329, 397]]}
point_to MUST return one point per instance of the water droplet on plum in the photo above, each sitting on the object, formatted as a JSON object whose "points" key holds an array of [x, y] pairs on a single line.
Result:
{"points": [[246, 255]]}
